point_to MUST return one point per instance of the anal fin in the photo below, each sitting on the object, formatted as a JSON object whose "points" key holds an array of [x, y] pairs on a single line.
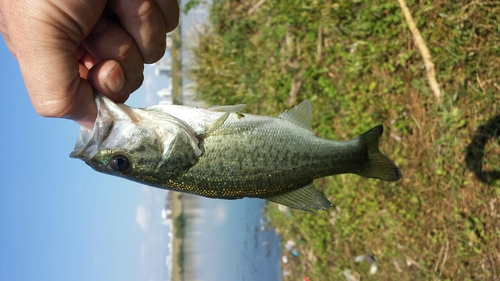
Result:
{"points": [[307, 198]]}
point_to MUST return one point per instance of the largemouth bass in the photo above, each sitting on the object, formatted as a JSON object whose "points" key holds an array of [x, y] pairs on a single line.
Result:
{"points": [[221, 153]]}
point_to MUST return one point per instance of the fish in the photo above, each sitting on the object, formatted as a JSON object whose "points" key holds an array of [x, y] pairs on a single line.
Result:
{"points": [[220, 152]]}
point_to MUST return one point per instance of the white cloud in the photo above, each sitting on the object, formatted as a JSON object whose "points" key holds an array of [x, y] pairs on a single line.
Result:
{"points": [[143, 217], [220, 214], [150, 88]]}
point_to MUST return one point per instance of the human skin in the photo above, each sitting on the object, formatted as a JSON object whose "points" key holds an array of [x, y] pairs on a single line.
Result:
{"points": [[66, 49]]}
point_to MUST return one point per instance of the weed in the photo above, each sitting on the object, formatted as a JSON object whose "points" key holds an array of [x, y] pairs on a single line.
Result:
{"points": [[356, 62]]}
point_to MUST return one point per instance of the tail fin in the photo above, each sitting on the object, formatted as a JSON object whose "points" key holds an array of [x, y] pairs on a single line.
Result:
{"points": [[379, 166]]}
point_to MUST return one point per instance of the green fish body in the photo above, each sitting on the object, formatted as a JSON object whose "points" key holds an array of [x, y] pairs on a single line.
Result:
{"points": [[221, 153]]}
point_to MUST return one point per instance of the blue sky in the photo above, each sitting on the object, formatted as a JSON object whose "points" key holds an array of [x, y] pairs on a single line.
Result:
{"points": [[60, 219]]}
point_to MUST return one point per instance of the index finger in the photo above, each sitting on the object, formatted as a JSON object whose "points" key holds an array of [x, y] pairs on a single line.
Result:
{"points": [[145, 21]]}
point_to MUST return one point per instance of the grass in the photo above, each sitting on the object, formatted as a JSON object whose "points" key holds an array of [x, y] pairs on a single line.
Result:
{"points": [[356, 62]]}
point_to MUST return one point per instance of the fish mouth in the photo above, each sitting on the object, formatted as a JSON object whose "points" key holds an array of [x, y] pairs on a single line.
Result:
{"points": [[85, 147], [89, 140]]}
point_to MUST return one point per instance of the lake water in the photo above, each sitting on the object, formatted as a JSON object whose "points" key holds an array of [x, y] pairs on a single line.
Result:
{"points": [[228, 240]]}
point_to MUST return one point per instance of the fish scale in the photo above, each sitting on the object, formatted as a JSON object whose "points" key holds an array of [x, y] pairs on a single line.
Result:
{"points": [[220, 153]]}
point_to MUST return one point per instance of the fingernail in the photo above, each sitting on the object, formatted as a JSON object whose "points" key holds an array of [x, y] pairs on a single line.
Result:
{"points": [[115, 79]]}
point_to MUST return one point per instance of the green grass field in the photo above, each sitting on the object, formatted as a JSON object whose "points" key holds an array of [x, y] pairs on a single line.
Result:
{"points": [[357, 63]]}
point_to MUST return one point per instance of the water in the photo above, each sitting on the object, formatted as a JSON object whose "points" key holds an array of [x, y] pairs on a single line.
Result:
{"points": [[225, 239], [228, 240]]}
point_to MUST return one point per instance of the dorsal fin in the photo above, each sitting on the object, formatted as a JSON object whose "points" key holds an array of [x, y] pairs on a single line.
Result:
{"points": [[227, 108], [300, 115], [307, 198]]}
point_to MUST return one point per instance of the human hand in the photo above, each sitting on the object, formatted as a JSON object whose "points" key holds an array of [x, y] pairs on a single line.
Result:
{"points": [[67, 48]]}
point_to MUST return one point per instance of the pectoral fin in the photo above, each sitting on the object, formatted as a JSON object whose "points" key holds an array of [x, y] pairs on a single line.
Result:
{"points": [[227, 108], [219, 121], [307, 198], [215, 125]]}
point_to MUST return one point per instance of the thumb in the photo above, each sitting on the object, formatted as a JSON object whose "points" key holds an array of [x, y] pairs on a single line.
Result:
{"points": [[45, 39]]}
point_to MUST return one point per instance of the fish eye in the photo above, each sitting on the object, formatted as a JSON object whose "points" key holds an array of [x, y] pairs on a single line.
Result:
{"points": [[119, 163]]}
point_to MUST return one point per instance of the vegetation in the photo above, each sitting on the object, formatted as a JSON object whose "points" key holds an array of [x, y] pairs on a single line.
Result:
{"points": [[180, 261], [179, 226], [176, 54], [357, 63], [177, 273]]}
